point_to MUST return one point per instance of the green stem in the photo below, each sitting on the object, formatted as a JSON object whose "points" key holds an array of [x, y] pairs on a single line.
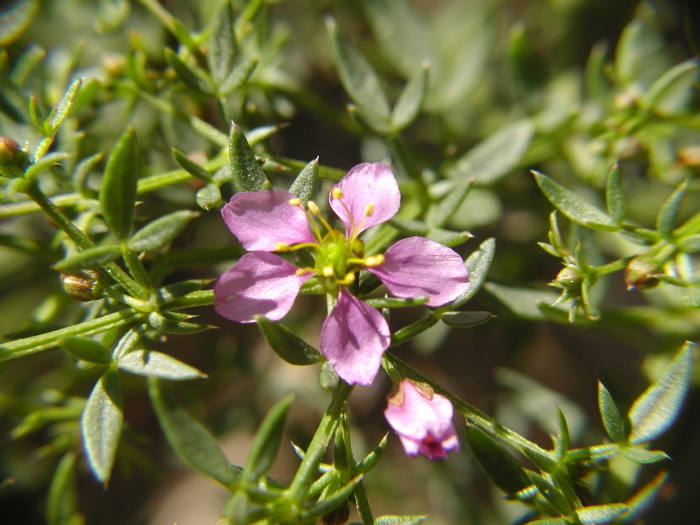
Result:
{"points": [[199, 298], [474, 416], [37, 343]]}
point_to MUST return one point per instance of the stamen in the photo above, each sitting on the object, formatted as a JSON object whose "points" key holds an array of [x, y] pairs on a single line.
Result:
{"points": [[313, 208], [369, 210], [374, 260], [301, 271], [337, 193], [295, 202], [281, 247], [348, 279]]}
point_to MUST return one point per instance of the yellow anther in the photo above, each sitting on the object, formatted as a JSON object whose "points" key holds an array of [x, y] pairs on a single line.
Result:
{"points": [[300, 271], [374, 260], [369, 210], [281, 247], [348, 279], [337, 193], [295, 202], [328, 271], [313, 207]]}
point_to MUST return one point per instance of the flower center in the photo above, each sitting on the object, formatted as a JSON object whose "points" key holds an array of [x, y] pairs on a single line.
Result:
{"points": [[338, 259]]}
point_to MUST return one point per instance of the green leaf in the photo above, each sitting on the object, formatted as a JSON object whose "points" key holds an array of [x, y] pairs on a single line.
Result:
{"points": [[596, 514], [118, 188], [478, 264], [156, 364], [399, 520], [574, 207], [654, 411], [614, 196], [549, 521], [267, 440], [643, 456], [396, 302], [222, 45], [642, 501], [360, 82], [191, 77], [192, 442], [101, 425], [612, 420], [304, 186], [288, 345], [190, 166], [411, 99], [672, 90], [499, 465], [563, 439], [15, 20], [209, 197], [90, 258], [159, 233], [438, 214], [668, 214], [497, 155], [552, 494], [238, 76], [466, 319], [60, 111], [245, 170], [523, 302], [371, 460], [43, 163], [62, 500], [86, 349], [168, 323]]}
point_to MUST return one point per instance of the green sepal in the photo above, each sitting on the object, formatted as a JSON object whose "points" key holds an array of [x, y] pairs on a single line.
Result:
{"points": [[328, 380], [190, 166], [209, 197], [191, 77], [396, 302], [267, 441], [466, 319], [169, 324], [156, 364], [118, 188], [668, 213], [101, 425], [574, 207], [160, 232], [499, 465], [86, 349], [62, 499], [286, 344], [478, 264], [304, 186], [60, 111], [655, 410], [411, 99], [191, 440], [616, 428], [245, 170], [497, 155], [614, 196], [88, 259]]}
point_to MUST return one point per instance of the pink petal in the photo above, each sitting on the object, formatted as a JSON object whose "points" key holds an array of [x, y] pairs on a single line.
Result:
{"points": [[418, 266], [353, 339], [260, 283], [261, 219], [363, 185]]}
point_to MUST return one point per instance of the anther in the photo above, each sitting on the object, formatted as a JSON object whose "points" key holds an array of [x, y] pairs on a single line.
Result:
{"points": [[328, 271], [374, 260], [313, 207], [337, 193], [369, 210], [295, 202], [281, 247]]}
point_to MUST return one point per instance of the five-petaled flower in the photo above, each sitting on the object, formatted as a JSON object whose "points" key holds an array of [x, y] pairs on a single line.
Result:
{"points": [[423, 420], [354, 335]]}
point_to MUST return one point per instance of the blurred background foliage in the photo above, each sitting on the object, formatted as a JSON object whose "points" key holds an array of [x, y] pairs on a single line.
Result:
{"points": [[566, 87]]}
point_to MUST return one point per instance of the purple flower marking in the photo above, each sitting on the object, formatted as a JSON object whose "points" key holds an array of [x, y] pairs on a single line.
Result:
{"points": [[354, 335], [423, 421]]}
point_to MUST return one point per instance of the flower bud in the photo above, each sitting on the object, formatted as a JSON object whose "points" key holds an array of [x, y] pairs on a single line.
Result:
{"points": [[10, 151], [640, 273], [569, 278], [82, 286], [337, 516]]}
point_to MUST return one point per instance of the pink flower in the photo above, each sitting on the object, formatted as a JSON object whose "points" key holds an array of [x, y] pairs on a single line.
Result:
{"points": [[423, 421], [354, 335]]}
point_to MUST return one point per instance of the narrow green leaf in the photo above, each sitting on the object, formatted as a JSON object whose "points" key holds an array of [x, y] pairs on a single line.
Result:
{"points": [[209, 197], [156, 364], [612, 420], [563, 439], [440, 213], [44, 163], [411, 99], [238, 76], [654, 411], [190, 166], [167, 323], [15, 20], [642, 501], [360, 81], [497, 155], [596, 514], [541, 461], [192, 442], [614, 196], [88, 259], [267, 440], [288, 345], [396, 302], [596, 81], [552, 494], [333, 500], [245, 170], [499, 465], [399, 520], [191, 77], [574, 207], [222, 45], [35, 114], [60, 111], [466, 319], [118, 189], [304, 186], [643, 456], [101, 425], [161, 232], [86, 349], [478, 264], [62, 501], [371, 459], [549, 521], [672, 90], [668, 214]]}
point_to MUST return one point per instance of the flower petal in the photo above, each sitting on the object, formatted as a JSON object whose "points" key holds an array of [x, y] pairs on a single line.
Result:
{"points": [[353, 339], [260, 283], [366, 184], [418, 266], [261, 219]]}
